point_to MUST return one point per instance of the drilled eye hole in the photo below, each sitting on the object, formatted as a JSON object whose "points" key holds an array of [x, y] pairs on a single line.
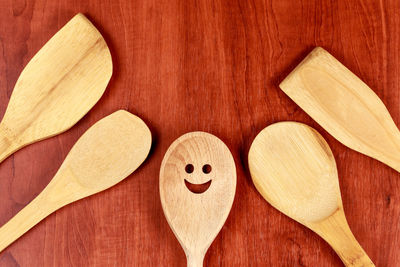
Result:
{"points": [[207, 168], [189, 168]]}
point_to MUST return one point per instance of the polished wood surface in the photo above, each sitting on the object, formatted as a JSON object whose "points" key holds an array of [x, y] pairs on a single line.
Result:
{"points": [[213, 66], [344, 106], [294, 169], [103, 156], [58, 86], [196, 217]]}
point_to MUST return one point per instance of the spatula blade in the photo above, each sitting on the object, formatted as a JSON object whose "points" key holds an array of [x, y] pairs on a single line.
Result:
{"points": [[344, 106], [60, 84]]}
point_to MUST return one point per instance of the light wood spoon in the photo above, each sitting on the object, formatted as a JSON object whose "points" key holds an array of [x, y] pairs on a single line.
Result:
{"points": [[344, 106], [60, 84], [197, 188], [294, 170], [103, 156]]}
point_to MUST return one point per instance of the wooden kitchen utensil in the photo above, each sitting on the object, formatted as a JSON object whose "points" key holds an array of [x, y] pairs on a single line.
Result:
{"points": [[60, 84], [344, 106], [197, 188], [294, 170], [103, 156]]}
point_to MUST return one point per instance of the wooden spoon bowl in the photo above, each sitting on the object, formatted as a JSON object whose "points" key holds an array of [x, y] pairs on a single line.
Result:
{"points": [[196, 217], [105, 154], [294, 169]]}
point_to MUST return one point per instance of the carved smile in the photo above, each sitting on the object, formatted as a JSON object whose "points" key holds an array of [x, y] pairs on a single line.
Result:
{"points": [[197, 188]]}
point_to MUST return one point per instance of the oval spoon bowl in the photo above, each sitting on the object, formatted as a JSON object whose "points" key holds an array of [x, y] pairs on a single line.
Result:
{"points": [[294, 169]]}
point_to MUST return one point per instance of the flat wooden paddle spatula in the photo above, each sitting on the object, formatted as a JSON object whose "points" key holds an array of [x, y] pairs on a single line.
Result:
{"points": [[344, 106], [103, 156], [60, 84]]}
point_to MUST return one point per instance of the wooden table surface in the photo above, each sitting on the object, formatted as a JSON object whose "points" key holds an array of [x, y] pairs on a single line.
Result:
{"points": [[212, 66]]}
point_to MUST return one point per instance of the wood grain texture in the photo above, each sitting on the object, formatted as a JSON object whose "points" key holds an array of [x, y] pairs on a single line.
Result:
{"points": [[294, 169], [58, 86], [344, 106], [103, 156], [212, 66], [196, 218]]}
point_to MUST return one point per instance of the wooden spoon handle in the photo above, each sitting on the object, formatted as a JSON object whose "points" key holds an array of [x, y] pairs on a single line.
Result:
{"points": [[351, 253], [28, 217], [337, 233], [194, 260], [58, 193]]}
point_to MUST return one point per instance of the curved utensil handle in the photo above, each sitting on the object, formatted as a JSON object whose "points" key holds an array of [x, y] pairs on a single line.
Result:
{"points": [[7, 144], [194, 260], [352, 254], [58, 193], [24, 220], [336, 231]]}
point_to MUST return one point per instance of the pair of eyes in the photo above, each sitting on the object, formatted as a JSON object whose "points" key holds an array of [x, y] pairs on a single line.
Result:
{"points": [[206, 168]]}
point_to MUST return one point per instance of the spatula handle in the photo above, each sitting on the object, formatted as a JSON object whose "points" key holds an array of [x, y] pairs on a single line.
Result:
{"points": [[24, 220], [8, 145]]}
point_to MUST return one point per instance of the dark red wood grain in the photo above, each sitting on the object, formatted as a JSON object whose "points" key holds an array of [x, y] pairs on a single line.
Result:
{"points": [[212, 66]]}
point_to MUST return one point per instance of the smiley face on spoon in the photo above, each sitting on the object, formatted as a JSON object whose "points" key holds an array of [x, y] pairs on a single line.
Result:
{"points": [[197, 188]]}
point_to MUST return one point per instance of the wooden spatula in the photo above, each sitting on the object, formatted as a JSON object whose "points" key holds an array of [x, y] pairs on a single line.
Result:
{"points": [[344, 106], [104, 155], [294, 170], [197, 187], [60, 84]]}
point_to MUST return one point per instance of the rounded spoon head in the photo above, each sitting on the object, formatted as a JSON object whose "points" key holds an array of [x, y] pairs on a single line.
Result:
{"points": [[104, 155], [294, 169], [197, 158]]}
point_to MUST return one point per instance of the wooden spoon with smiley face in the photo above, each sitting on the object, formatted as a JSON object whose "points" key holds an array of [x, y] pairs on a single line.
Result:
{"points": [[197, 188]]}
